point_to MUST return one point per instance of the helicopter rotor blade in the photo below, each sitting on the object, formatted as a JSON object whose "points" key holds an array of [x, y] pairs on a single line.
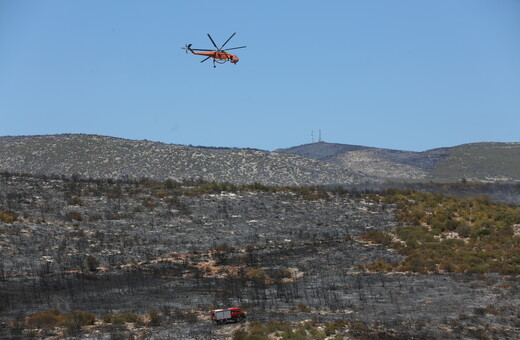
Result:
{"points": [[210, 38], [224, 44], [234, 48], [200, 49], [205, 59]]}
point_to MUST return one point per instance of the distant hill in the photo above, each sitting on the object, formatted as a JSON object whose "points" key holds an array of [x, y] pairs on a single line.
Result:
{"points": [[323, 151], [484, 161], [478, 161], [94, 156]]}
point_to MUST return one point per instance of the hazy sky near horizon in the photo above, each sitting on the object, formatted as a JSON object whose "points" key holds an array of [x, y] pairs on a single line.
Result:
{"points": [[411, 75]]}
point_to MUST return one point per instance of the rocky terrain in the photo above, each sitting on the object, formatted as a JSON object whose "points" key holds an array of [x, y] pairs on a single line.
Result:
{"points": [[183, 248], [92, 156]]}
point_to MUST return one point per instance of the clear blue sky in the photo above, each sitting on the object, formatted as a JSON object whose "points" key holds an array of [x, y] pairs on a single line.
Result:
{"points": [[410, 75]]}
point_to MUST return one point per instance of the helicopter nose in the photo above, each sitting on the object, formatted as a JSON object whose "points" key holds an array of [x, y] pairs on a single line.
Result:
{"points": [[235, 60]]}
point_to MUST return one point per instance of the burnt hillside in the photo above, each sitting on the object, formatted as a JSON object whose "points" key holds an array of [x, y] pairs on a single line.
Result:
{"points": [[183, 248]]}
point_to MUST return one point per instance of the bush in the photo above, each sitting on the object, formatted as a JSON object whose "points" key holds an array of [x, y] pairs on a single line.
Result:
{"points": [[378, 237], [149, 204], [284, 331], [48, 319], [489, 246], [155, 318], [223, 248], [52, 318], [8, 216], [74, 200], [92, 263], [117, 319], [240, 335], [280, 274], [303, 308], [315, 196], [332, 327], [130, 317], [77, 319], [464, 230], [73, 216], [257, 275]]}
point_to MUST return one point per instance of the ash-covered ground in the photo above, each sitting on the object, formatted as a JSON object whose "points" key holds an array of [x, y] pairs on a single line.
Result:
{"points": [[123, 247]]}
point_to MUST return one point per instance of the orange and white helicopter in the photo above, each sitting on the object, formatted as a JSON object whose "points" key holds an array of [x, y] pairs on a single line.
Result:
{"points": [[220, 56]]}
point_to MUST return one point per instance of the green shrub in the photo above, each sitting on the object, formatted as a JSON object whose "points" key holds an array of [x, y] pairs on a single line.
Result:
{"points": [[117, 319], [332, 327], [130, 317], [76, 320], [284, 331], [240, 335], [378, 237], [280, 273], [489, 246], [464, 230]]}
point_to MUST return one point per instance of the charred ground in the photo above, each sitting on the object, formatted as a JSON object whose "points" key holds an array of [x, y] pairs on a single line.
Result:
{"points": [[285, 254]]}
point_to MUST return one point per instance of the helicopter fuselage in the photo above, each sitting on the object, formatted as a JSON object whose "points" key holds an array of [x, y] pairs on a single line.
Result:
{"points": [[219, 56]]}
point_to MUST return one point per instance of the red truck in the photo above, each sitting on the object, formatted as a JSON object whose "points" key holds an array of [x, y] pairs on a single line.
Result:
{"points": [[221, 316]]}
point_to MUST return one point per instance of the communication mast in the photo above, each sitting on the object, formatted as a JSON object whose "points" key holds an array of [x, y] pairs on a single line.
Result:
{"points": [[312, 136]]}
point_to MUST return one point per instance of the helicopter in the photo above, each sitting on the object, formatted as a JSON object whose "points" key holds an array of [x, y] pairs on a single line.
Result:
{"points": [[220, 56]]}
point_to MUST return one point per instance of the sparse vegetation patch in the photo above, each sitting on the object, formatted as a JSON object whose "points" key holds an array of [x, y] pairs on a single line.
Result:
{"points": [[442, 233]]}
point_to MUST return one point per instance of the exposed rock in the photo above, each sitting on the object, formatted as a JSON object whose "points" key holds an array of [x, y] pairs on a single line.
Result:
{"points": [[92, 156]]}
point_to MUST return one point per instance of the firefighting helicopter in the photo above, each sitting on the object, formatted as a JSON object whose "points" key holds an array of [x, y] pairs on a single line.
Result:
{"points": [[220, 56]]}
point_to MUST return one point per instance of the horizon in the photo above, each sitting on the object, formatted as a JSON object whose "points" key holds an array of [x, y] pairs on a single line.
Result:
{"points": [[247, 147]]}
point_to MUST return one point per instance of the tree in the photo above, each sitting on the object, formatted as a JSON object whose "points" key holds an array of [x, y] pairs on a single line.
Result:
{"points": [[92, 263]]}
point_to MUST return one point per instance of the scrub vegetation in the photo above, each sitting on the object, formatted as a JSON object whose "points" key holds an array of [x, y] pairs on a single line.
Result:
{"points": [[442, 233]]}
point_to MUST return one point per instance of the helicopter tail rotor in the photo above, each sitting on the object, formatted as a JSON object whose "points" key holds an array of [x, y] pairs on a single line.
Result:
{"points": [[187, 47]]}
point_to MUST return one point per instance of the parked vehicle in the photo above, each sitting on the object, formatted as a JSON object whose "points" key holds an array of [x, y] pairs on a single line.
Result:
{"points": [[221, 316]]}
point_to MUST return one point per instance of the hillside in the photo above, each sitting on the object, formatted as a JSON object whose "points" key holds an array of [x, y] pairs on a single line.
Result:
{"points": [[93, 156], [484, 161], [120, 249], [478, 161]]}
